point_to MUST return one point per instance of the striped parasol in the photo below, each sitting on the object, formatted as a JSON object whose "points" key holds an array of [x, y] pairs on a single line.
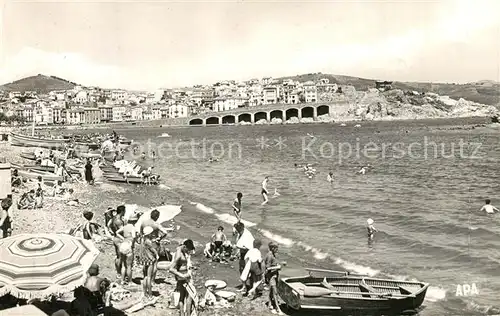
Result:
{"points": [[40, 265]]}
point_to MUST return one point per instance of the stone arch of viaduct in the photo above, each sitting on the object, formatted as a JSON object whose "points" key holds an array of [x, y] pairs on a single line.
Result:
{"points": [[253, 115]]}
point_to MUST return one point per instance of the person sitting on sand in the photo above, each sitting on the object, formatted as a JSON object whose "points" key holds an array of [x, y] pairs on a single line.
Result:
{"points": [[58, 189], [228, 248], [94, 295], [127, 234], [218, 239], [15, 180], [5, 218], [27, 200], [488, 208], [208, 251], [271, 277], [89, 228], [180, 270]]}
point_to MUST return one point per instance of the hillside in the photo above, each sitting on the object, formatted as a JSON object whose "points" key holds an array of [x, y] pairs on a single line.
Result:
{"points": [[485, 92], [39, 83]]}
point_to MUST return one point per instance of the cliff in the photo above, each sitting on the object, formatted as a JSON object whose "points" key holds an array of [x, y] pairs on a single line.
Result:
{"points": [[398, 104]]}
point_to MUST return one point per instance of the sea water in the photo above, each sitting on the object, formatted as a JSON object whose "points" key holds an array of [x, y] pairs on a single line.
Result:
{"points": [[423, 192]]}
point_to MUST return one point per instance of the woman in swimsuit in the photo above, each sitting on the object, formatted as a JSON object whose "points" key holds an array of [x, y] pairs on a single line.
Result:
{"points": [[147, 256], [127, 234]]}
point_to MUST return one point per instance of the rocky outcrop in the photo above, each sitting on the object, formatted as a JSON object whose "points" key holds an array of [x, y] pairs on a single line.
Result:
{"points": [[398, 104]]}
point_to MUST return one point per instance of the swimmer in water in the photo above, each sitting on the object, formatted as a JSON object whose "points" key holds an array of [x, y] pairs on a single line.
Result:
{"points": [[153, 155], [143, 155], [371, 229], [276, 194], [264, 191], [237, 206], [329, 178], [362, 171], [488, 208]]}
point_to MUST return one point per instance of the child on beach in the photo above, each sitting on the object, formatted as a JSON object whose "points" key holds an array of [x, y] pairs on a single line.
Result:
{"points": [[218, 239], [488, 208], [371, 229], [271, 277], [237, 206]]}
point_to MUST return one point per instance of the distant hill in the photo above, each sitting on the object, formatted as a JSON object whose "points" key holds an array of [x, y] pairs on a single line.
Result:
{"points": [[485, 91], [39, 83]]}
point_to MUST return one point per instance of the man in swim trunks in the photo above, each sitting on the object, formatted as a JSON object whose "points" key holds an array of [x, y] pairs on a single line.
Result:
{"points": [[179, 269], [488, 208], [264, 191], [114, 225], [237, 206], [218, 239]]}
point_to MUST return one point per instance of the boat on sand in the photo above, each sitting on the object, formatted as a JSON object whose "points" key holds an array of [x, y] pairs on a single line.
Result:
{"points": [[348, 293]]}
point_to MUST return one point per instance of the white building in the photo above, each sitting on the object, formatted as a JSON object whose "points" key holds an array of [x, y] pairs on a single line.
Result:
{"points": [[81, 97], [118, 112], [178, 110], [118, 95]]}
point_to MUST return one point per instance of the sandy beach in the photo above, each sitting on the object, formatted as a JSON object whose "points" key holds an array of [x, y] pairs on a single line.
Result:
{"points": [[56, 216]]}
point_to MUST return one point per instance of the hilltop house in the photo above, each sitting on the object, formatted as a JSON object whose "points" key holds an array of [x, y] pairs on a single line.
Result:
{"points": [[383, 85]]}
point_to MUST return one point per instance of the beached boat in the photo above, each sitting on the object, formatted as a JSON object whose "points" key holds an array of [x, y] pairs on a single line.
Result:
{"points": [[34, 175], [351, 293], [29, 156], [132, 180], [57, 143], [49, 169], [164, 135]]}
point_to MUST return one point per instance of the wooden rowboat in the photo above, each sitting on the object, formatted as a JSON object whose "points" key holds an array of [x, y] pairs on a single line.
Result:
{"points": [[49, 169], [349, 293], [28, 156], [34, 175], [58, 143]]}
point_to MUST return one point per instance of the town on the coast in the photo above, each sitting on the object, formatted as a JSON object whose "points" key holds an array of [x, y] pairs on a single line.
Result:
{"points": [[305, 98], [257, 158]]}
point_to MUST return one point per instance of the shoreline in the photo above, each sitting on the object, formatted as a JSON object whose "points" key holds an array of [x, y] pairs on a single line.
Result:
{"points": [[164, 124], [56, 216]]}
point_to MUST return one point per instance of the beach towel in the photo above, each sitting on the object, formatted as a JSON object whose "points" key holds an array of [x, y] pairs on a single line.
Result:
{"points": [[246, 271]]}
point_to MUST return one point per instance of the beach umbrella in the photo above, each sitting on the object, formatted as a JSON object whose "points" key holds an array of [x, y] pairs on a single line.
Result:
{"points": [[167, 213], [40, 265]]}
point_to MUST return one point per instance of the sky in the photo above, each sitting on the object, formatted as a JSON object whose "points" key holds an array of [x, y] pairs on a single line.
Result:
{"points": [[160, 44]]}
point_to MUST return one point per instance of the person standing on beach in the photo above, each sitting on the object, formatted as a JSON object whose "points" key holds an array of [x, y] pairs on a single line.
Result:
{"points": [[88, 172], [264, 191], [127, 234], [244, 243], [271, 276], [114, 225], [147, 256], [157, 228], [488, 208], [237, 206], [179, 268]]}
